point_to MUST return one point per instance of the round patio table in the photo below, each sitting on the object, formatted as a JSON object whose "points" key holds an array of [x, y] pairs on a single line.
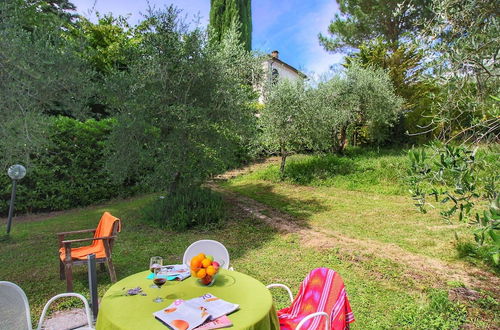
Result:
{"points": [[118, 311]]}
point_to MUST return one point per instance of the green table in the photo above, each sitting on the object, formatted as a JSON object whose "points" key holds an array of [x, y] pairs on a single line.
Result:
{"points": [[118, 311]]}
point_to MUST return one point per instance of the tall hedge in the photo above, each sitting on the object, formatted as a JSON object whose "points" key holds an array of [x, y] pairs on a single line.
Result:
{"points": [[69, 173], [223, 13]]}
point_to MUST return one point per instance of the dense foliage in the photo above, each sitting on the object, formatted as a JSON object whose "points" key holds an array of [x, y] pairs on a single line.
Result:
{"points": [[464, 38], [361, 103], [441, 56], [287, 120], [379, 34], [225, 13], [182, 107], [460, 178], [405, 69], [69, 172], [40, 75], [107, 43], [361, 21], [358, 100]]}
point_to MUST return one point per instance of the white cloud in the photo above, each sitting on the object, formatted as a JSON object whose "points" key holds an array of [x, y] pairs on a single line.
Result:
{"points": [[316, 59]]}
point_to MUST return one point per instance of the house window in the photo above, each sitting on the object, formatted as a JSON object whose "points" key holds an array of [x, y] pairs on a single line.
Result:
{"points": [[275, 76]]}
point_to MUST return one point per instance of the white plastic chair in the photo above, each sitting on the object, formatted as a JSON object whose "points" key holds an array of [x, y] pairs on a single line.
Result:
{"points": [[207, 246], [308, 317], [15, 309]]}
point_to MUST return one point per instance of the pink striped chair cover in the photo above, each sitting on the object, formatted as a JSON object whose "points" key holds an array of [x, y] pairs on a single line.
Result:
{"points": [[322, 290]]}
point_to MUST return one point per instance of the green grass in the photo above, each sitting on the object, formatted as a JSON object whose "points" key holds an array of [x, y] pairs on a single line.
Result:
{"points": [[378, 217], [380, 295], [363, 170], [361, 196]]}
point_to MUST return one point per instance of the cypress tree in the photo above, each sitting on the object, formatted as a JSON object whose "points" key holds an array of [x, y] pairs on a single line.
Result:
{"points": [[224, 12]]}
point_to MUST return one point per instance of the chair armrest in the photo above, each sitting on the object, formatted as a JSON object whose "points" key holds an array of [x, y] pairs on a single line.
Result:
{"points": [[76, 232], [82, 298], [60, 236], [310, 316], [276, 285], [87, 239]]}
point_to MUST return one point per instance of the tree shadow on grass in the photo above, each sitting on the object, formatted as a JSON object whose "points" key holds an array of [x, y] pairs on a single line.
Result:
{"points": [[305, 171], [298, 210]]}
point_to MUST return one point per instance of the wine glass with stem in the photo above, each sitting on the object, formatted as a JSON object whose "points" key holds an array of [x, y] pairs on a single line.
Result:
{"points": [[154, 263], [159, 279]]}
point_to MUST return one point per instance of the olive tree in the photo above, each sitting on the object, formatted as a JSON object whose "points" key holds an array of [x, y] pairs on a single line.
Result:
{"points": [[182, 106], [357, 97], [287, 121], [41, 75], [464, 38]]}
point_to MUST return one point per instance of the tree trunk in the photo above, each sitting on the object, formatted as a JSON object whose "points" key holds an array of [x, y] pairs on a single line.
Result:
{"points": [[340, 142], [343, 139], [283, 161], [174, 185]]}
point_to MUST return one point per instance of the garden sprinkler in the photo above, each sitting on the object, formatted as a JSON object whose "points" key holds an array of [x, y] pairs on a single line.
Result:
{"points": [[15, 172]]}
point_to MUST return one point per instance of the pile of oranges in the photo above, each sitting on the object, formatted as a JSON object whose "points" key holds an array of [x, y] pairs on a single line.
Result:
{"points": [[204, 267]]}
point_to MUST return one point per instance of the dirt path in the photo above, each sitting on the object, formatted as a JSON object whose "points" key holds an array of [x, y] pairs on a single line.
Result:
{"points": [[423, 269]]}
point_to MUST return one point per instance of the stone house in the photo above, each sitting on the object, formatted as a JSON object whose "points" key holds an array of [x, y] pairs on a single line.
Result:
{"points": [[276, 69]]}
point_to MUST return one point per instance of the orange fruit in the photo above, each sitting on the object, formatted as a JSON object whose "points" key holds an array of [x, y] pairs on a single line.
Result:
{"points": [[195, 263], [201, 273], [206, 262], [211, 270], [201, 256]]}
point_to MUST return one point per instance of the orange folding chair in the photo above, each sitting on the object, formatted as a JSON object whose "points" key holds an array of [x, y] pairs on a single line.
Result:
{"points": [[102, 246]]}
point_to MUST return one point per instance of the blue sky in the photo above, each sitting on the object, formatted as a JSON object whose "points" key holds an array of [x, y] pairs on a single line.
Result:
{"points": [[290, 26]]}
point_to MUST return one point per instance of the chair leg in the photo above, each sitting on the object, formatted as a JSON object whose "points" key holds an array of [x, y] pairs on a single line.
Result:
{"points": [[111, 269], [69, 276], [62, 276]]}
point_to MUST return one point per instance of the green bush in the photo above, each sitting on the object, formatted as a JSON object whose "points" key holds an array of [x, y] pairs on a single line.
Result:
{"points": [[185, 209], [69, 173], [476, 254]]}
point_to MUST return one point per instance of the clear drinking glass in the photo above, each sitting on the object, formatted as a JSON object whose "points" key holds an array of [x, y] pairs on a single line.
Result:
{"points": [[155, 263], [159, 279]]}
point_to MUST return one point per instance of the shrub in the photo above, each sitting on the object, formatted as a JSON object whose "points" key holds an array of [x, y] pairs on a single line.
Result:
{"points": [[186, 208], [69, 173], [459, 178]]}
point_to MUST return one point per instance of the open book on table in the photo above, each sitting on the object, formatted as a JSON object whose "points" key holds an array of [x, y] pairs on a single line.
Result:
{"points": [[173, 272], [190, 314], [176, 272]]}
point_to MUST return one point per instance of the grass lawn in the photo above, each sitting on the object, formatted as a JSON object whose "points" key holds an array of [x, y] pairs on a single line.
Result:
{"points": [[383, 293], [380, 296], [361, 195]]}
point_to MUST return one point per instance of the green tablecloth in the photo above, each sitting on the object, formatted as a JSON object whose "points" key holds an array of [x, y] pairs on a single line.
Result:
{"points": [[118, 311]]}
